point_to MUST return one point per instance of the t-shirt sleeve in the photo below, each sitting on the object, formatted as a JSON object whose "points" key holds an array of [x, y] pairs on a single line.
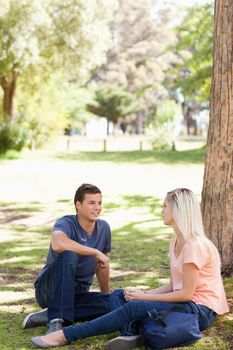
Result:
{"points": [[195, 254], [108, 245], [63, 225]]}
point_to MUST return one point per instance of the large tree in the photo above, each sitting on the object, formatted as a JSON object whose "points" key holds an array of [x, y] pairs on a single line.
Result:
{"points": [[141, 31], [217, 194], [70, 35]]}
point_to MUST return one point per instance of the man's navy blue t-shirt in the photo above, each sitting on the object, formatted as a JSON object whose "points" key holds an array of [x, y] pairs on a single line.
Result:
{"points": [[100, 239]]}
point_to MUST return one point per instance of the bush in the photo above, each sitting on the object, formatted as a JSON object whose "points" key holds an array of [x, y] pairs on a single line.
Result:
{"points": [[163, 137], [12, 136], [164, 126]]}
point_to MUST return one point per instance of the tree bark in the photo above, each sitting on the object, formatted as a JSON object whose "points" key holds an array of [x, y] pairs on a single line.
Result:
{"points": [[8, 85], [217, 193]]}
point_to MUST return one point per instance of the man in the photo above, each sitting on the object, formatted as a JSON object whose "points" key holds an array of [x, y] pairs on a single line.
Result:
{"points": [[78, 250]]}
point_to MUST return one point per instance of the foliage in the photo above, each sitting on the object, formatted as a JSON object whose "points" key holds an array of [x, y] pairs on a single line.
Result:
{"points": [[192, 69], [164, 127], [12, 137], [42, 108], [55, 34], [137, 61], [76, 100], [167, 112], [113, 102], [163, 139], [48, 106], [40, 38]]}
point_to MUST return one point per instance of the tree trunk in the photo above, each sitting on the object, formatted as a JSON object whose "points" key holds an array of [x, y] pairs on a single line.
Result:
{"points": [[217, 193], [187, 115], [108, 127], [8, 85]]}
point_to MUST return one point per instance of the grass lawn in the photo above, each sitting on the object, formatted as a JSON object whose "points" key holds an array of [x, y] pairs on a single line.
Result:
{"points": [[142, 262], [193, 156]]}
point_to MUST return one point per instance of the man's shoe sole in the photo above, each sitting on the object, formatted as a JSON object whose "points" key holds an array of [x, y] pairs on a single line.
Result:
{"points": [[125, 343]]}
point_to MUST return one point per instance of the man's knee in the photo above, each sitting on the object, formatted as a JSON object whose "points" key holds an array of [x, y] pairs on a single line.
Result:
{"points": [[69, 257]]}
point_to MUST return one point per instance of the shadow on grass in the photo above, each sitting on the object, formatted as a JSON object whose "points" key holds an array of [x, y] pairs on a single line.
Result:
{"points": [[10, 212], [150, 203], [195, 156]]}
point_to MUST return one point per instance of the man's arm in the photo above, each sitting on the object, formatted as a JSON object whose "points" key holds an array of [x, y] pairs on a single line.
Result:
{"points": [[60, 243], [103, 277]]}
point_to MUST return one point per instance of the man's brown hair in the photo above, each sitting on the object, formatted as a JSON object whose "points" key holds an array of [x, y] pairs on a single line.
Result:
{"points": [[84, 189]]}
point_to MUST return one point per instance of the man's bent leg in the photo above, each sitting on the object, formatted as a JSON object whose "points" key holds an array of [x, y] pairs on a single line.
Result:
{"points": [[43, 293], [56, 288]]}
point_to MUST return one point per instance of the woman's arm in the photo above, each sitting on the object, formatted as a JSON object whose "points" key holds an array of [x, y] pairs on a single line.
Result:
{"points": [[161, 290], [190, 278]]}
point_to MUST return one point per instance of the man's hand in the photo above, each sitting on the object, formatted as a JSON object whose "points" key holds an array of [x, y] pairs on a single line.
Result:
{"points": [[102, 259], [103, 276]]}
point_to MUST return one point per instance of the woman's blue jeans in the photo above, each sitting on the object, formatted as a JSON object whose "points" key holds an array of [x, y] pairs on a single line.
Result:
{"points": [[130, 311]]}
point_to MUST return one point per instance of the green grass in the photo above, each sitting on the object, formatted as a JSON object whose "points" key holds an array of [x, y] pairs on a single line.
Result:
{"points": [[139, 249], [139, 258], [11, 154], [195, 156]]}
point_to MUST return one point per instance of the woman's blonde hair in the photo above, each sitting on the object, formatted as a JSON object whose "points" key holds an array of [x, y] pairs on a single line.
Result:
{"points": [[187, 215]]}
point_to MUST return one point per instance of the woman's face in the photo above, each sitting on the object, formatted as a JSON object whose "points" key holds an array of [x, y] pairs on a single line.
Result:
{"points": [[167, 213]]}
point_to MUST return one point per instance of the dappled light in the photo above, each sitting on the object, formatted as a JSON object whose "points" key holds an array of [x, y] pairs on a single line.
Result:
{"points": [[141, 263], [24, 249], [15, 260], [132, 198], [14, 297]]}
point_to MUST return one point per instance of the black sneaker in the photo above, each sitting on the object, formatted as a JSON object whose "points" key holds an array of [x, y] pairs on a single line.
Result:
{"points": [[36, 319], [125, 342], [55, 325]]}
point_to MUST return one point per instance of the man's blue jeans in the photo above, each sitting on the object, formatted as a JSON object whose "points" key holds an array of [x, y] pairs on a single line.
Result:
{"points": [[57, 289], [130, 311]]}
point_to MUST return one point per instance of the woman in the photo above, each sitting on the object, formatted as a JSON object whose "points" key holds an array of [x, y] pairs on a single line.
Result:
{"points": [[195, 281]]}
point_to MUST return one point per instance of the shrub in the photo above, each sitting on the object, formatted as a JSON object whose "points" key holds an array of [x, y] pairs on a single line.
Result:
{"points": [[163, 137], [12, 136]]}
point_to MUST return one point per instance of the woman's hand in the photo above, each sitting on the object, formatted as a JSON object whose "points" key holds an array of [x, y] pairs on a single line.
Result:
{"points": [[134, 294]]}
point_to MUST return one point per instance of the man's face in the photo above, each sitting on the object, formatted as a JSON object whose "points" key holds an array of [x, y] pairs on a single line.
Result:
{"points": [[91, 206]]}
